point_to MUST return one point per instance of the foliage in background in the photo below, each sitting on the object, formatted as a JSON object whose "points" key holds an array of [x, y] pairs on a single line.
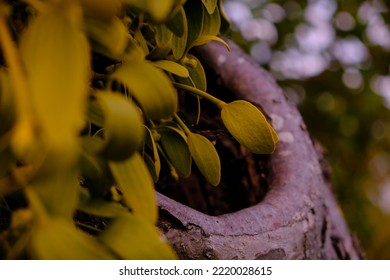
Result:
{"points": [[89, 111], [332, 58]]}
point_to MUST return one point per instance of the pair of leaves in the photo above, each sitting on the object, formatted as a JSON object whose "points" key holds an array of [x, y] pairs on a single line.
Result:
{"points": [[194, 26], [179, 149], [169, 141], [247, 125]]}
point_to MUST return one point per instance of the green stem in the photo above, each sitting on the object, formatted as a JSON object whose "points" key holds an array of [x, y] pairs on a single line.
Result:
{"points": [[201, 93], [172, 169], [182, 124]]}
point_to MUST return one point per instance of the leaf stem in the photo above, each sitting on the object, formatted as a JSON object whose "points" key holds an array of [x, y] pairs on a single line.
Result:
{"points": [[172, 169], [201, 93], [182, 124]]}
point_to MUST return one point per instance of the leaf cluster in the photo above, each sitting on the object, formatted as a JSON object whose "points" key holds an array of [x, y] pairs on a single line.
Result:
{"points": [[76, 135]]}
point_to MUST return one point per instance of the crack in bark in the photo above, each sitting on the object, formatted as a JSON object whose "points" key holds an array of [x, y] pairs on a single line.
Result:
{"points": [[324, 227]]}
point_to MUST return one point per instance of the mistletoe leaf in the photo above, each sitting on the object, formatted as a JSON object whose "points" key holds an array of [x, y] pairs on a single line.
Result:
{"points": [[133, 239], [123, 126], [206, 157], [249, 126], [150, 87], [136, 184]]}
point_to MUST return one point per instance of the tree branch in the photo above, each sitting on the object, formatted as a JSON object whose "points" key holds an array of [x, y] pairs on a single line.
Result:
{"points": [[298, 218]]}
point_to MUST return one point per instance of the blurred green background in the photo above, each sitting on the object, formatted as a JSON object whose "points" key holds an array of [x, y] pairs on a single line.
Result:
{"points": [[332, 59]]}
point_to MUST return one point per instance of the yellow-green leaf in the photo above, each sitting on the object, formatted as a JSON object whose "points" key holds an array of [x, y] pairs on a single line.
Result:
{"points": [[140, 39], [204, 39], [171, 125], [133, 239], [212, 23], [197, 76], [95, 171], [95, 113], [178, 23], [206, 157], [123, 126], [249, 126], [162, 35], [101, 9], [210, 5], [176, 148], [158, 10], [150, 87], [163, 38], [137, 48], [57, 188], [179, 43], [137, 186], [56, 57], [172, 67], [58, 239], [194, 13], [109, 38], [100, 207]]}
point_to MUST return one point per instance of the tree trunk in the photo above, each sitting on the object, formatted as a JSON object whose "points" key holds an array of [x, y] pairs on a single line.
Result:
{"points": [[298, 218]]}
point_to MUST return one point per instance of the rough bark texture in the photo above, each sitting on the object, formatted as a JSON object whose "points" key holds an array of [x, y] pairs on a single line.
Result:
{"points": [[298, 218]]}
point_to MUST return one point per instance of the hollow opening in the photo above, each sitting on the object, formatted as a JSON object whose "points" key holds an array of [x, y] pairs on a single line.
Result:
{"points": [[244, 177]]}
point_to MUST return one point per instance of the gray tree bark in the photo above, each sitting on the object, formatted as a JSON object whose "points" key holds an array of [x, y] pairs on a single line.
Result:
{"points": [[299, 217]]}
